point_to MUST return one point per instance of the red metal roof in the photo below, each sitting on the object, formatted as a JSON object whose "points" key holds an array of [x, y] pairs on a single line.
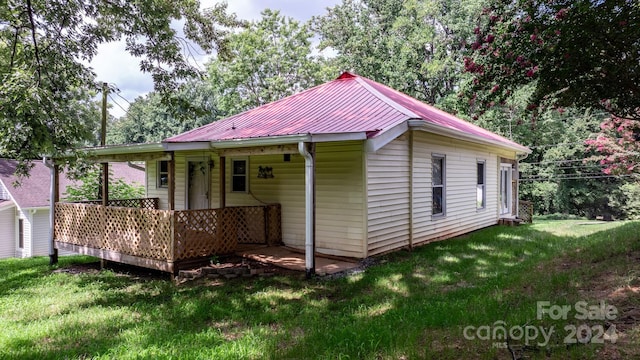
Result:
{"points": [[348, 104]]}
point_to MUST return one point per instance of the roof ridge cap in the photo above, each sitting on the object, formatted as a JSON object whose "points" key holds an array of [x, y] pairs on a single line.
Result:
{"points": [[386, 99]]}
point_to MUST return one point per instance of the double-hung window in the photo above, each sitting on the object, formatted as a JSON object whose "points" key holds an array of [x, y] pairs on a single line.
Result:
{"points": [[481, 186], [163, 174], [438, 192], [239, 175]]}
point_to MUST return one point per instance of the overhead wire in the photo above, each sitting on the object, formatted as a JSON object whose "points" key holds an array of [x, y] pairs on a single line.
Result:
{"points": [[120, 106], [574, 178]]}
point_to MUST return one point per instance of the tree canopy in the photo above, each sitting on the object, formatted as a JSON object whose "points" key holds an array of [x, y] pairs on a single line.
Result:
{"points": [[581, 53], [270, 59], [149, 119], [413, 46], [45, 46]]}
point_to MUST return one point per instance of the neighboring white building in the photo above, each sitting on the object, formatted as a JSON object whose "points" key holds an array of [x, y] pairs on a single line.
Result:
{"points": [[24, 209]]}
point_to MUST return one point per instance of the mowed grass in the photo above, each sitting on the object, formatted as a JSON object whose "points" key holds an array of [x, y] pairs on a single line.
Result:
{"points": [[412, 304]]}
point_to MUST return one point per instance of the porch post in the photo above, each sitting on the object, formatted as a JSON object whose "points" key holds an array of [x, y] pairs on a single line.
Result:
{"points": [[516, 180], [308, 152], [53, 199], [171, 168], [222, 179], [105, 184], [56, 178]]}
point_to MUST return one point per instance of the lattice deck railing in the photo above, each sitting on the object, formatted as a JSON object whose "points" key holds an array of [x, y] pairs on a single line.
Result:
{"points": [[163, 234], [525, 211], [142, 203]]}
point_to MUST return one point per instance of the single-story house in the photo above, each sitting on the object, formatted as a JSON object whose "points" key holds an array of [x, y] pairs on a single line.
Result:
{"points": [[24, 206], [355, 168]]}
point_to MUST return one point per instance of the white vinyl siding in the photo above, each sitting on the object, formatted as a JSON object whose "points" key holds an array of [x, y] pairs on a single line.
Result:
{"points": [[153, 191], [339, 194], [7, 231], [388, 189], [366, 203], [40, 233], [340, 200], [285, 188], [461, 187]]}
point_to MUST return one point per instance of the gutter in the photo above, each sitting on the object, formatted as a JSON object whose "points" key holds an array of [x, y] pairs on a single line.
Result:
{"points": [[310, 207], [263, 141], [118, 149], [53, 252], [125, 149], [241, 143]]}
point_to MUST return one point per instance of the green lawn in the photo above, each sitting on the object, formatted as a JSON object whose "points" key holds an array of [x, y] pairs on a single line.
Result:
{"points": [[411, 305]]}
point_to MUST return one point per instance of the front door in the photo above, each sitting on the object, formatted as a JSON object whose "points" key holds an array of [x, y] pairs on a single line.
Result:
{"points": [[197, 185], [505, 189]]}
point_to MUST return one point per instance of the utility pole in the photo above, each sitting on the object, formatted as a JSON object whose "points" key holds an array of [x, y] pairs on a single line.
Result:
{"points": [[104, 188], [103, 129]]}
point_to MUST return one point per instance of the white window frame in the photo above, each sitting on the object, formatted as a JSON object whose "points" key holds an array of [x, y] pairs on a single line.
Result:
{"points": [[481, 187], [443, 185], [506, 169], [159, 173], [246, 175]]}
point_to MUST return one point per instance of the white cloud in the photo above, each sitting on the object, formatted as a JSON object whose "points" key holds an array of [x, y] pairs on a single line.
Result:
{"points": [[114, 65]]}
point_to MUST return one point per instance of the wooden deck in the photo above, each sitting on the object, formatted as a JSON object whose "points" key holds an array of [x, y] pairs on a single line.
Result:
{"points": [[161, 239]]}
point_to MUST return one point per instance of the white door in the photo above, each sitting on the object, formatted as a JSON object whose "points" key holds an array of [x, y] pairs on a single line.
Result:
{"points": [[197, 185], [505, 189]]}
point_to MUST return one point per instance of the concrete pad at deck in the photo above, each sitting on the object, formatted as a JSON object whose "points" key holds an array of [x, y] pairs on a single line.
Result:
{"points": [[288, 259]]}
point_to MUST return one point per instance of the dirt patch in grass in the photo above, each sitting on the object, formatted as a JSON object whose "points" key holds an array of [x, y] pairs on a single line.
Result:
{"points": [[132, 272], [77, 269]]}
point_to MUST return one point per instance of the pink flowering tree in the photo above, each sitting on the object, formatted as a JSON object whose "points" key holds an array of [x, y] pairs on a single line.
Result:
{"points": [[574, 53], [618, 146]]}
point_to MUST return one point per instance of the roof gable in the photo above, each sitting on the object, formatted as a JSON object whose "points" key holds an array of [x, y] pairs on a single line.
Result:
{"points": [[348, 104]]}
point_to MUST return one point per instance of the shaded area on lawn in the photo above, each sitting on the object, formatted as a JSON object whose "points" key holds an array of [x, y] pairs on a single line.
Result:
{"points": [[414, 304]]}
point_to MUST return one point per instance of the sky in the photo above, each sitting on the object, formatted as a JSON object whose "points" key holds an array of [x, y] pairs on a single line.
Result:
{"points": [[115, 66]]}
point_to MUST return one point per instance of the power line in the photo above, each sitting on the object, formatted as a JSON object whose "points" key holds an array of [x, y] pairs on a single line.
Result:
{"points": [[562, 161], [122, 97], [574, 178], [575, 166], [568, 143], [593, 158], [120, 106]]}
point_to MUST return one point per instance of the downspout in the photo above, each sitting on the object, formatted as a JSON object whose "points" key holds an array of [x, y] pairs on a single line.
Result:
{"points": [[518, 159], [411, 190], [53, 252], [310, 206]]}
